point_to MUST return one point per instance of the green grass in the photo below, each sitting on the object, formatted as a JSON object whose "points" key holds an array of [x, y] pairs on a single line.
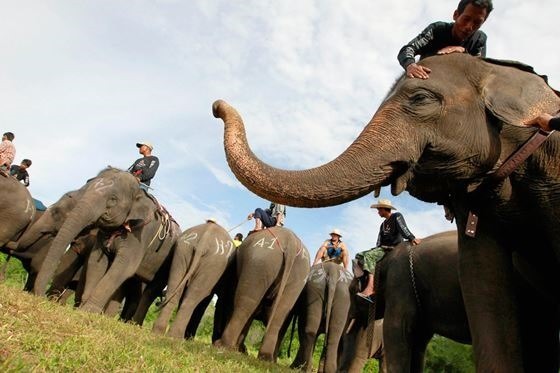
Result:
{"points": [[39, 335]]}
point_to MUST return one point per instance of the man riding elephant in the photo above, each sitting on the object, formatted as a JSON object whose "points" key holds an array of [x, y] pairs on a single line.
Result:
{"points": [[391, 233]]}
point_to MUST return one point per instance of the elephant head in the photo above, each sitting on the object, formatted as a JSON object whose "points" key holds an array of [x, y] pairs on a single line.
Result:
{"points": [[438, 139], [50, 221], [107, 201], [440, 131]]}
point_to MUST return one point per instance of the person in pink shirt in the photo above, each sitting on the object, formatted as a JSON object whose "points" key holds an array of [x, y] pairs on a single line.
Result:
{"points": [[7, 151]]}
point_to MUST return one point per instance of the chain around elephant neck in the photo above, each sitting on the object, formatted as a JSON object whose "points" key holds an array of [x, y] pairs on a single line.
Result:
{"points": [[413, 277]]}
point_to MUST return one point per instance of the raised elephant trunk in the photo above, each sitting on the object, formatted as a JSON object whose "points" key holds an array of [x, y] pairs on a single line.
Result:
{"points": [[81, 216], [349, 176]]}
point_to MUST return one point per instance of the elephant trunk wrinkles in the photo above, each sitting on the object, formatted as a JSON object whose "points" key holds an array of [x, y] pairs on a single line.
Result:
{"points": [[30, 236], [80, 217], [369, 162]]}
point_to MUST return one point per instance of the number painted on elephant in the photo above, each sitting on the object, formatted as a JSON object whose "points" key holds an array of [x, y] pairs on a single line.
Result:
{"points": [[189, 237], [268, 244], [344, 275], [29, 205], [222, 248], [102, 184]]}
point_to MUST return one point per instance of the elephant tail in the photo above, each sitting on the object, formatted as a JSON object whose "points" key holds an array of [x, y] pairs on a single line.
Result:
{"points": [[290, 256], [330, 283], [195, 263]]}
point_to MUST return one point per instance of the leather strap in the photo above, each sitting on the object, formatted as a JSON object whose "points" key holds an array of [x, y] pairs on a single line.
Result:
{"points": [[520, 155], [509, 165]]}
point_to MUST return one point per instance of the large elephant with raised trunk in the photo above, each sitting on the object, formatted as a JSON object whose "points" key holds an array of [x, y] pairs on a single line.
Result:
{"points": [[440, 139], [272, 266]]}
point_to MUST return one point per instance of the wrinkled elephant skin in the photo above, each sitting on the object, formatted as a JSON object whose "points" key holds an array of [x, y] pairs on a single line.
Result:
{"points": [[200, 259], [438, 138], [323, 307], [272, 267]]}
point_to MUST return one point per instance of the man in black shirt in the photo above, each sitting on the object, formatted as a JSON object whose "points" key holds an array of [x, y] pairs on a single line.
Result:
{"points": [[461, 36], [545, 122], [391, 232], [144, 168], [20, 172]]}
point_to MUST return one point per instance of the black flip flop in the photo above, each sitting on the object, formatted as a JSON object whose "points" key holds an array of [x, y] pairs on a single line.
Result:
{"points": [[364, 297]]}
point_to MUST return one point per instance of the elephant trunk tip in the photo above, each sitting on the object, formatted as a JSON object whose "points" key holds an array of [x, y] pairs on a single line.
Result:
{"points": [[218, 108]]}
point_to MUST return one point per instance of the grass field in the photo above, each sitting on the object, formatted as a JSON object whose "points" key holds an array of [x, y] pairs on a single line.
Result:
{"points": [[39, 335]]}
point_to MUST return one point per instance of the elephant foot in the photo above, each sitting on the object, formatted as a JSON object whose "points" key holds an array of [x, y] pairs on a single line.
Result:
{"points": [[266, 356], [173, 333], [88, 307], [158, 330]]}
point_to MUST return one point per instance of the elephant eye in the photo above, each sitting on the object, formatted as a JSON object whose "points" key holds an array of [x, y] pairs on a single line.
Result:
{"points": [[422, 97]]}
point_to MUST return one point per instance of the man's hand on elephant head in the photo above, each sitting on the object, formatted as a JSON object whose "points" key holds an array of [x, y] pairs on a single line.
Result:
{"points": [[417, 71], [451, 49], [542, 121], [415, 241]]}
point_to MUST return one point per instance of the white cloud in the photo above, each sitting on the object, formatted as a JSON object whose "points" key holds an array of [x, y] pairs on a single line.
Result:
{"points": [[81, 82]]}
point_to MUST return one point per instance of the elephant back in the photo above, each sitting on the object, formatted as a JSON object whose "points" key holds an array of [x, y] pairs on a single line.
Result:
{"points": [[159, 240], [17, 208], [269, 246]]}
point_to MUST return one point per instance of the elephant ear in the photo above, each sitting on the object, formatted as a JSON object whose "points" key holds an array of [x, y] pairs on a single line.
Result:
{"points": [[141, 208], [514, 96]]}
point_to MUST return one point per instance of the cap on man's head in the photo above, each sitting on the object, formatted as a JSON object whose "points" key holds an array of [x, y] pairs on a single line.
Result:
{"points": [[149, 145]]}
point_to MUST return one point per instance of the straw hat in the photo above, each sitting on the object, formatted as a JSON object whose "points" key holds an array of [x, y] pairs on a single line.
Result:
{"points": [[383, 204], [337, 232]]}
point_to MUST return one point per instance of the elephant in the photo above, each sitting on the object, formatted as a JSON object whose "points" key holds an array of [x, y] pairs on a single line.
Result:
{"points": [[33, 244], [48, 223], [272, 267], [417, 295], [201, 257], [323, 307], [442, 139], [136, 237], [17, 209]]}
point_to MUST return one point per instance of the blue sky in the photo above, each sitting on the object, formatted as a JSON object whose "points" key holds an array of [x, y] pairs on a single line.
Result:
{"points": [[82, 82]]}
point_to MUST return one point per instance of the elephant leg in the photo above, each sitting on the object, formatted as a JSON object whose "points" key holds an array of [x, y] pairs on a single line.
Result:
{"points": [[398, 328], [67, 293], [491, 309], [123, 267], [149, 295], [248, 295], [198, 313], [97, 265], [178, 270], [69, 265], [133, 293], [308, 329], [112, 308], [30, 281], [334, 334], [418, 353], [286, 302], [358, 361], [200, 287], [80, 286]]}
